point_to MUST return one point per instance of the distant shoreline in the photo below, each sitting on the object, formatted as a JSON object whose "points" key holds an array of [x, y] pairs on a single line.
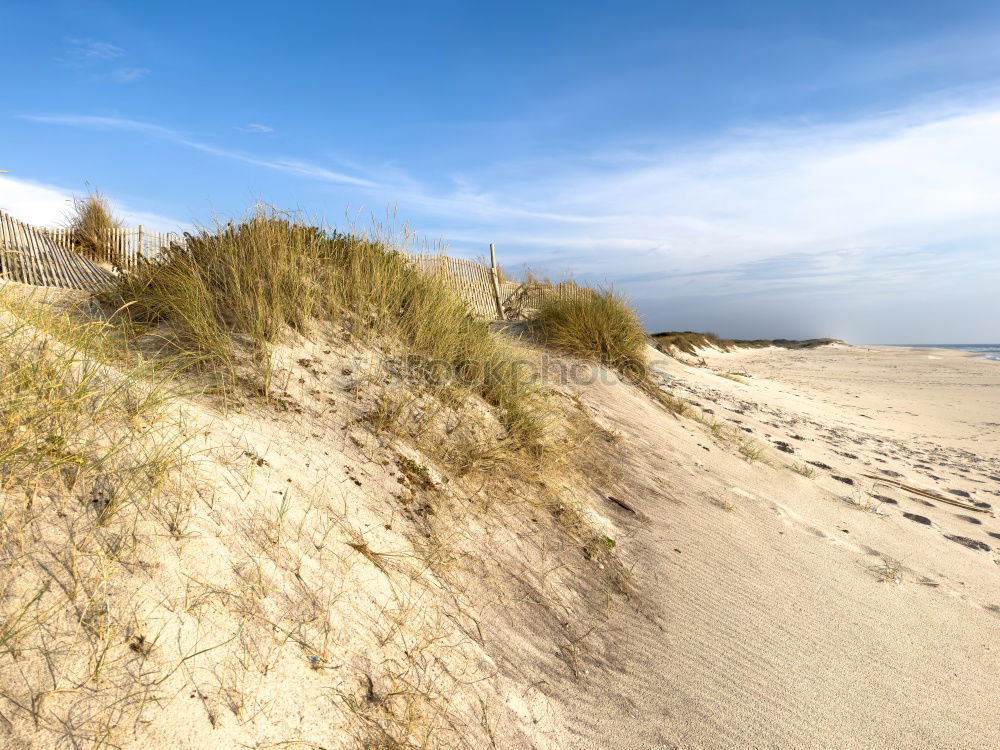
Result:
{"points": [[990, 352]]}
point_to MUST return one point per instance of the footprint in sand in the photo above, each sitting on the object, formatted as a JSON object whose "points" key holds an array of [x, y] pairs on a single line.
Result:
{"points": [[885, 499], [918, 519], [970, 543]]}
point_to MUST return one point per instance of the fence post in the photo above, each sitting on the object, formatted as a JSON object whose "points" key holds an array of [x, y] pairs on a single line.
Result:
{"points": [[496, 282], [139, 249]]}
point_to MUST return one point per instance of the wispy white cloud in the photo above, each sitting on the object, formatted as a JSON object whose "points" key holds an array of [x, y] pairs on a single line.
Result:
{"points": [[255, 127], [287, 165], [129, 75], [900, 179], [101, 61], [50, 205], [93, 50]]}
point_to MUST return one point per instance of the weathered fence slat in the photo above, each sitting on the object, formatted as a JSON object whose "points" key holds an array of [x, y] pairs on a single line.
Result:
{"points": [[32, 256]]}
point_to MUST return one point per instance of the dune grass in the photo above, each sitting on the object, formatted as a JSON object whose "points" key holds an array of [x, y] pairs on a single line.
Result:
{"points": [[599, 326], [92, 221], [89, 453], [222, 298], [66, 417]]}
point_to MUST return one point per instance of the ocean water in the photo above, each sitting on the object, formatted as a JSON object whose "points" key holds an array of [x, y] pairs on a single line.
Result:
{"points": [[986, 351]]}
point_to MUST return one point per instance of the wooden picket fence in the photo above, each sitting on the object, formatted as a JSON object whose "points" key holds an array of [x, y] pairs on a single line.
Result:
{"points": [[125, 247], [520, 299], [30, 256], [488, 294], [472, 281], [43, 255]]}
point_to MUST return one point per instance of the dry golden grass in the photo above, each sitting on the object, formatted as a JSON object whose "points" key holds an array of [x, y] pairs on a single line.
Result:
{"points": [[805, 470], [598, 326], [221, 300], [92, 222]]}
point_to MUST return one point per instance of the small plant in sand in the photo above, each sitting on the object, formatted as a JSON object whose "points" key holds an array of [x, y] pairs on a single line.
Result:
{"points": [[889, 571], [726, 505], [386, 413], [750, 449], [863, 501], [93, 223], [805, 470]]}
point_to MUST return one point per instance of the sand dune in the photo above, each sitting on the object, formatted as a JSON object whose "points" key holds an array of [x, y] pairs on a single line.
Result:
{"points": [[314, 582]]}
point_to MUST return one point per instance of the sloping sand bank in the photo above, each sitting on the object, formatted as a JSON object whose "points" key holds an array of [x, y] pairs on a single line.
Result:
{"points": [[834, 611]]}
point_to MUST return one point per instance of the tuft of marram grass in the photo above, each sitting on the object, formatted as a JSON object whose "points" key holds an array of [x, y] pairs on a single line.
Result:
{"points": [[599, 326], [92, 222], [225, 295], [66, 417]]}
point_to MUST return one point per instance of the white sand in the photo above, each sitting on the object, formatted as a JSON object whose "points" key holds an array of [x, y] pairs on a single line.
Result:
{"points": [[766, 626], [311, 592]]}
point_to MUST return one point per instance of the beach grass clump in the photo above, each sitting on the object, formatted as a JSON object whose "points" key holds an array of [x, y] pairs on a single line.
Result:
{"points": [[223, 296], [93, 222], [598, 326], [750, 449], [805, 470]]}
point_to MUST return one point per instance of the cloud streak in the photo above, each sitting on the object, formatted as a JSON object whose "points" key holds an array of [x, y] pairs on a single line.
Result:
{"points": [[92, 50], [287, 165], [255, 127], [95, 59], [129, 75], [392, 186]]}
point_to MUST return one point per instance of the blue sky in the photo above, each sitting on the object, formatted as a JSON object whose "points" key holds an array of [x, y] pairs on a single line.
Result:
{"points": [[773, 169]]}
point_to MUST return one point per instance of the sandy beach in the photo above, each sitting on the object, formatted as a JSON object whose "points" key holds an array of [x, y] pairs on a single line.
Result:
{"points": [[831, 610], [806, 556]]}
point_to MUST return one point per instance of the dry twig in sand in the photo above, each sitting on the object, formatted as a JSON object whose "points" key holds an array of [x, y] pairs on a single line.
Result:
{"points": [[931, 495]]}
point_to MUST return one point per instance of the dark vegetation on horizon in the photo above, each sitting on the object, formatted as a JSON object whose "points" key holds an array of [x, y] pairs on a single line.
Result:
{"points": [[689, 341]]}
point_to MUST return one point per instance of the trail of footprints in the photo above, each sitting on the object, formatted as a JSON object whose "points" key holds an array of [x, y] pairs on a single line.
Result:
{"points": [[914, 463]]}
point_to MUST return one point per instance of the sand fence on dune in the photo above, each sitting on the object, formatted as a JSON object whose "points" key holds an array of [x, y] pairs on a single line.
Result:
{"points": [[49, 257]]}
